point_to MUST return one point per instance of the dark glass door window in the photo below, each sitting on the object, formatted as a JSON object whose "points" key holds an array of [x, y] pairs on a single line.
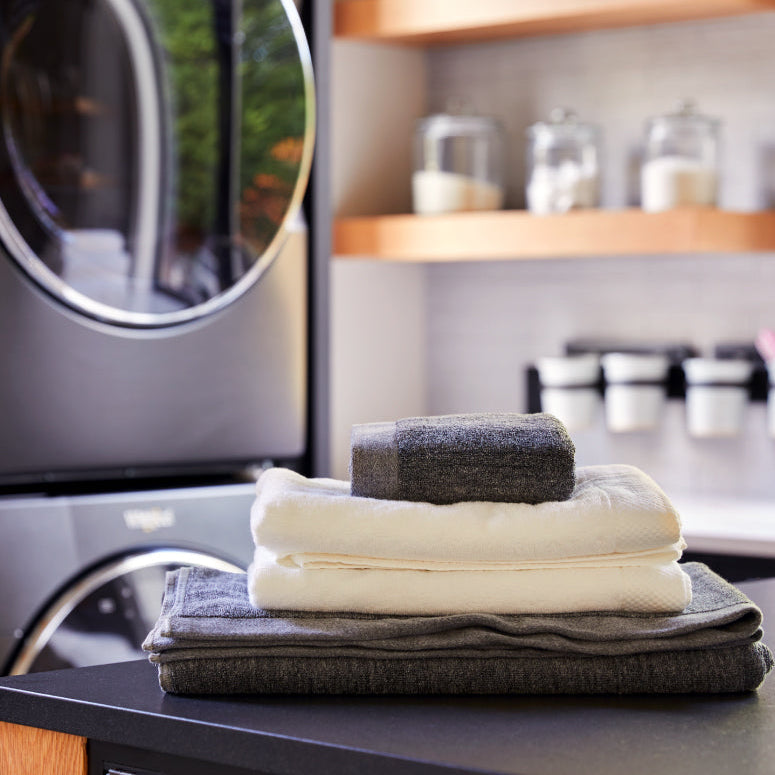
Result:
{"points": [[105, 616], [152, 151]]}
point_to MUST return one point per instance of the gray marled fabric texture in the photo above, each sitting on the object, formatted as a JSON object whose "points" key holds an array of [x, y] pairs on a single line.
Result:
{"points": [[374, 460], [500, 457], [209, 639], [735, 669], [206, 608]]}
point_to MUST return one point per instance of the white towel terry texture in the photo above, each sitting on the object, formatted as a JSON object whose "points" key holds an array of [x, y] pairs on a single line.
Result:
{"points": [[613, 546]]}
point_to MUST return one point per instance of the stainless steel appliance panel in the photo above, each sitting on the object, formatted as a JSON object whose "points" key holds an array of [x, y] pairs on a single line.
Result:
{"points": [[78, 397]]}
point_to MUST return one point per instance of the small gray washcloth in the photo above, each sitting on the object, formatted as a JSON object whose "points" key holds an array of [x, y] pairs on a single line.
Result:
{"points": [[500, 457], [209, 639]]}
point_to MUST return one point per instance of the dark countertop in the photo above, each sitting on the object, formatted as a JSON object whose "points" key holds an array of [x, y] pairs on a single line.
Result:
{"points": [[529, 735]]}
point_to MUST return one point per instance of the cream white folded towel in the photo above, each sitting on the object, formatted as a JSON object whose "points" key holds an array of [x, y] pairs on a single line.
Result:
{"points": [[312, 561], [615, 511], [651, 588], [612, 546]]}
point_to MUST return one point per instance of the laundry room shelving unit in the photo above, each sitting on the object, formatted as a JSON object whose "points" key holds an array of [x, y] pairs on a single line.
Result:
{"points": [[518, 234]]}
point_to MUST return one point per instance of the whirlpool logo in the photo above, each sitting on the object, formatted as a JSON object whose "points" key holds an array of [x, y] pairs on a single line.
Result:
{"points": [[149, 520]]}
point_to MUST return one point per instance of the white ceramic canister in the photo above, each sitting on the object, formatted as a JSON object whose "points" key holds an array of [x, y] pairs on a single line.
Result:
{"points": [[717, 392], [569, 388], [635, 390]]}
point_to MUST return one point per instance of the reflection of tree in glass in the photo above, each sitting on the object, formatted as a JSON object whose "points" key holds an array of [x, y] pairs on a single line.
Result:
{"points": [[186, 35], [272, 116], [273, 120]]}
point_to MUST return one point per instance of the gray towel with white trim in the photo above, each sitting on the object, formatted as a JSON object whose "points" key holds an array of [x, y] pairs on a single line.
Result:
{"points": [[210, 640], [501, 457]]}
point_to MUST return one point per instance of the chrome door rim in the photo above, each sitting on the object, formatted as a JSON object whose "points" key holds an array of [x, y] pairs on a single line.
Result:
{"points": [[66, 602], [50, 282]]}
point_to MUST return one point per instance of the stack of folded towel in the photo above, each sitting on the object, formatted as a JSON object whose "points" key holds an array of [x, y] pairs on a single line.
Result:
{"points": [[526, 575]]}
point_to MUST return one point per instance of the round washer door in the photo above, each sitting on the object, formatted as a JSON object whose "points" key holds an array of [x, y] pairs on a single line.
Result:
{"points": [[105, 616], [153, 152]]}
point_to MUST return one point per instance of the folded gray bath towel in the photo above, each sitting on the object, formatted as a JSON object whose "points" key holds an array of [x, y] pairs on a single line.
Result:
{"points": [[513, 458], [712, 671], [209, 639]]}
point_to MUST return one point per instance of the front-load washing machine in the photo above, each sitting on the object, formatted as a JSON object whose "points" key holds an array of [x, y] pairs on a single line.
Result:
{"points": [[154, 302], [83, 575]]}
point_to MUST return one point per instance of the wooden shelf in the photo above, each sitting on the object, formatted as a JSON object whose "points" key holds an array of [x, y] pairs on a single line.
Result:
{"points": [[517, 234], [427, 22]]}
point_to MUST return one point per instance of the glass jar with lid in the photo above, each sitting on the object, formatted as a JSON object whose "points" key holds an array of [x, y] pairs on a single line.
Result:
{"points": [[680, 161], [458, 164], [563, 164]]}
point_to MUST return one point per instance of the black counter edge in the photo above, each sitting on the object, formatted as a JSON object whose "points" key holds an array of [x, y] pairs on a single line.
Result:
{"points": [[266, 752]]}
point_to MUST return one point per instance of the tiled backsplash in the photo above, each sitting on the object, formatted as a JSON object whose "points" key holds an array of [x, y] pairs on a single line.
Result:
{"points": [[488, 321]]}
